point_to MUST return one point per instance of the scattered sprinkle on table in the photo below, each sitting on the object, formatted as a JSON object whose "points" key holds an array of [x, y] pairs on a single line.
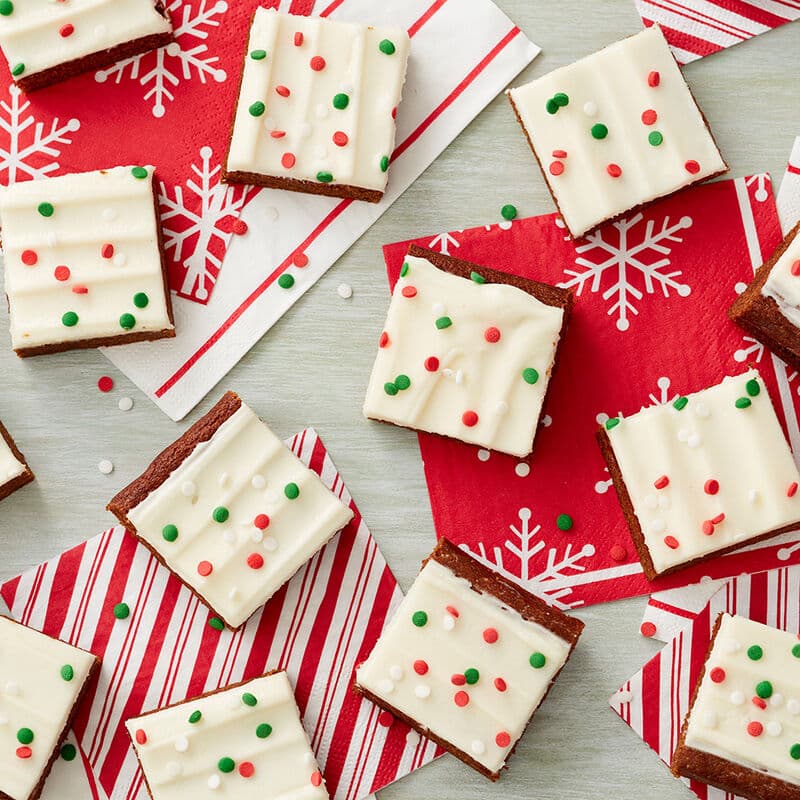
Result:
{"points": [[345, 291], [125, 403], [105, 383], [105, 466]]}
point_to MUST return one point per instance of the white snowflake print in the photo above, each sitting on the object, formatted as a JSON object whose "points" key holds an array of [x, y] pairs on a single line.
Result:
{"points": [[635, 257], [443, 242], [192, 224], [30, 148], [186, 58], [546, 579], [761, 182], [752, 350]]}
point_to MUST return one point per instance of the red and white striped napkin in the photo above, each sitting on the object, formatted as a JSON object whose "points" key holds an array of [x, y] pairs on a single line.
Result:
{"points": [[789, 194], [698, 28], [655, 700], [318, 627], [463, 53]]}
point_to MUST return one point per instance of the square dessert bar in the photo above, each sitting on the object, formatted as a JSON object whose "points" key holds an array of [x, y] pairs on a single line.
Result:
{"points": [[230, 510], [702, 475], [47, 42], [468, 658], [14, 470], [244, 741], [615, 130], [317, 103], [467, 352], [742, 732], [42, 681], [84, 261], [769, 308]]}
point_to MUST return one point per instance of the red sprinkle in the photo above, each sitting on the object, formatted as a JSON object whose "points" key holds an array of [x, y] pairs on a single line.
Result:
{"points": [[255, 561], [711, 486], [105, 383], [277, 134], [762, 704], [461, 699], [384, 340], [671, 542], [24, 752], [755, 729], [80, 289], [452, 611], [421, 667], [298, 39], [457, 679], [261, 522], [559, 153], [707, 527], [140, 736], [107, 250], [719, 518], [394, 113], [246, 769], [300, 260], [692, 167], [67, 30], [316, 778], [62, 273], [492, 335], [340, 139], [618, 553], [205, 568], [614, 170], [795, 268], [432, 364], [556, 168], [649, 117], [654, 79], [648, 630], [500, 684], [288, 160], [29, 257], [661, 483], [317, 63], [502, 739], [469, 418], [240, 227], [409, 291], [490, 635], [282, 90], [385, 719], [792, 490], [717, 675]]}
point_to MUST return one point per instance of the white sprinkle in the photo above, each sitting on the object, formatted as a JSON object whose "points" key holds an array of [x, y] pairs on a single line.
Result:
{"points": [[547, 421], [224, 479], [702, 411], [12, 689], [181, 744], [590, 108], [710, 719], [258, 482], [258, 535], [737, 698], [412, 738], [308, 757], [105, 466], [188, 488], [396, 672], [438, 309], [483, 455], [448, 373], [214, 782], [683, 435], [229, 535], [752, 496], [663, 501], [108, 214], [233, 593], [345, 291], [304, 130], [730, 646], [793, 707], [501, 407], [120, 259], [478, 747], [385, 686], [695, 440], [448, 622], [51, 239], [459, 376], [270, 544], [522, 469], [650, 501], [173, 769], [776, 700], [774, 728], [658, 526], [423, 691], [125, 404]]}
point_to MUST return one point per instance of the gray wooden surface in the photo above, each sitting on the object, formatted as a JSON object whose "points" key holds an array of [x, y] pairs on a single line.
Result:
{"points": [[313, 368]]}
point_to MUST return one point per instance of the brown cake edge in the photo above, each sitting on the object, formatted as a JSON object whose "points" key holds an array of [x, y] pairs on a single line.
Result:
{"points": [[24, 478]]}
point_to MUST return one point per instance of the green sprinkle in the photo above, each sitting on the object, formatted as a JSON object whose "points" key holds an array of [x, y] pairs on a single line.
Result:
{"points": [[257, 109], [249, 699], [24, 735], [46, 209], [68, 752], [324, 177], [258, 55], [612, 423], [226, 765], [220, 514], [6, 8], [796, 651], [551, 106], [170, 533], [508, 212], [599, 131], [404, 269], [752, 388], [530, 375], [216, 623], [387, 46], [286, 281], [561, 99], [743, 402], [263, 730], [794, 751], [67, 672], [341, 101], [538, 660], [477, 277], [420, 619], [564, 522], [141, 300], [655, 138], [680, 403], [471, 676], [18, 69], [127, 321], [384, 163], [70, 319], [390, 389], [443, 322], [755, 653], [195, 717], [402, 382], [139, 172], [292, 491], [764, 690], [122, 611]]}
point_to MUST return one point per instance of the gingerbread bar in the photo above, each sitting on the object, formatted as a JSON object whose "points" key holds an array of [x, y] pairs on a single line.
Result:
{"points": [[468, 658], [742, 732], [42, 682], [14, 470], [84, 261], [702, 475], [615, 130], [467, 352], [769, 308], [246, 740], [48, 42], [231, 511], [317, 103]]}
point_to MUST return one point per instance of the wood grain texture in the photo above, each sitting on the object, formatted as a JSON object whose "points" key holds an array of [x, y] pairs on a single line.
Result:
{"points": [[313, 369]]}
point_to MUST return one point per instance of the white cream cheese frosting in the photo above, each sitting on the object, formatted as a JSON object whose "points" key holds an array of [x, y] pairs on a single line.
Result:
{"points": [[463, 666], [246, 742], [616, 129], [464, 359], [318, 99], [747, 708], [39, 34], [40, 682], [707, 471], [783, 282], [10, 466], [82, 258], [239, 517]]}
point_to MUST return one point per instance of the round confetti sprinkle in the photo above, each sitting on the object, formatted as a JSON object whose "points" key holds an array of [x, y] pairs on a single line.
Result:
{"points": [[764, 690], [80, 290], [258, 55], [795, 268], [564, 522], [340, 139], [24, 752], [537, 660], [255, 561], [794, 751], [461, 699], [390, 389], [492, 335], [655, 138], [647, 629], [300, 260], [618, 553], [249, 699], [612, 423], [261, 522], [66, 31], [661, 483], [292, 491], [263, 730], [502, 739], [257, 109], [288, 160], [561, 99], [324, 177], [409, 291], [247, 769], [105, 383], [530, 375], [226, 765], [599, 131], [205, 568], [344, 290], [500, 685], [6, 8], [127, 321], [122, 611], [387, 47], [281, 90], [216, 623], [240, 227], [490, 635], [67, 672], [556, 168], [692, 167], [24, 735], [752, 387], [471, 676], [220, 514], [559, 153], [140, 300], [680, 403], [420, 619], [286, 281], [755, 652], [551, 106], [614, 170], [46, 209], [509, 212], [671, 542], [385, 719], [140, 173], [421, 667], [476, 277], [18, 69], [105, 466], [792, 490], [140, 736], [341, 101], [195, 717], [755, 728], [107, 251], [654, 79], [443, 322], [70, 319], [707, 527], [29, 258], [432, 364], [743, 402], [317, 63], [298, 39], [649, 116], [402, 382], [469, 418], [384, 163], [69, 752], [316, 778]]}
